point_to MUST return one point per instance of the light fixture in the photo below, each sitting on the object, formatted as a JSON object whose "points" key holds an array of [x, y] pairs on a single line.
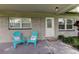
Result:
{"points": [[56, 9]]}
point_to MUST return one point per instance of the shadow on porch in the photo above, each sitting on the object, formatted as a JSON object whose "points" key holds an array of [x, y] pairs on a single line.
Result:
{"points": [[7, 48], [43, 47]]}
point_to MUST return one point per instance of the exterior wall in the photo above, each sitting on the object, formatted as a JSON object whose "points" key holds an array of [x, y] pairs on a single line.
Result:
{"points": [[38, 24], [66, 33], [6, 34]]}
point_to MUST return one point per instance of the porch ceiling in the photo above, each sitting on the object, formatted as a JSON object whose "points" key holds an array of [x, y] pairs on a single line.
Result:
{"points": [[41, 8]]}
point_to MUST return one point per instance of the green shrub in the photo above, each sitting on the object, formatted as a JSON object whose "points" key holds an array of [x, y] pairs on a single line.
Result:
{"points": [[74, 40], [68, 40]]}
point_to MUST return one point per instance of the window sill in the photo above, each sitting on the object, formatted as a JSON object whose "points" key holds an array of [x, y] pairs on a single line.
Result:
{"points": [[66, 29], [19, 28]]}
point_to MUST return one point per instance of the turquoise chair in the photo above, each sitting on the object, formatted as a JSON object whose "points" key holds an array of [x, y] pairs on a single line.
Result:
{"points": [[33, 39], [17, 38]]}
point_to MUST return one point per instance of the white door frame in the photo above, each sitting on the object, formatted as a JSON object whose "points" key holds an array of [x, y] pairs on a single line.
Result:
{"points": [[49, 32]]}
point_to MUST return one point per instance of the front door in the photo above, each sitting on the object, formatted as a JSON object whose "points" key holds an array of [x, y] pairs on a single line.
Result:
{"points": [[49, 27]]}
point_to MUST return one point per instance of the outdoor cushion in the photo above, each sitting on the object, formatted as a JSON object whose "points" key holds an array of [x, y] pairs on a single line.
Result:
{"points": [[33, 38], [17, 38]]}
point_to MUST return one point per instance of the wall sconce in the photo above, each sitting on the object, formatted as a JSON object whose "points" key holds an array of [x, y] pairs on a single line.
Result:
{"points": [[57, 8]]}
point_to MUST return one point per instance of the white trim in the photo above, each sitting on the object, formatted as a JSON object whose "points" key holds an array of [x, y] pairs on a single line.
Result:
{"points": [[65, 19], [49, 32], [21, 27]]}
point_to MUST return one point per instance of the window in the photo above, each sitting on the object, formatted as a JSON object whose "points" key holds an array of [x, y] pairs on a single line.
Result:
{"points": [[65, 24], [26, 23], [19, 23], [49, 23], [61, 23], [69, 24]]}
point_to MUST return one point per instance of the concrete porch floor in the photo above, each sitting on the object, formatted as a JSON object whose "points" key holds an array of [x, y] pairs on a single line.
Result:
{"points": [[54, 47]]}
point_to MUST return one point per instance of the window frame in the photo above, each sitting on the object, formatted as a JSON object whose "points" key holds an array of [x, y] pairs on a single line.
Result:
{"points": [[49, 25], [21, 27], [65, 19], [58, 23]]}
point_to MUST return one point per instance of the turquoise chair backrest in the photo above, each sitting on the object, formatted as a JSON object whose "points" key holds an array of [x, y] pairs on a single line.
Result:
{"points": [[17, 33], [34, 33]]}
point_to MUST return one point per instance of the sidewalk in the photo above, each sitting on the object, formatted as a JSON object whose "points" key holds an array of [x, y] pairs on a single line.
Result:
{"points": [[58, 47]]}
